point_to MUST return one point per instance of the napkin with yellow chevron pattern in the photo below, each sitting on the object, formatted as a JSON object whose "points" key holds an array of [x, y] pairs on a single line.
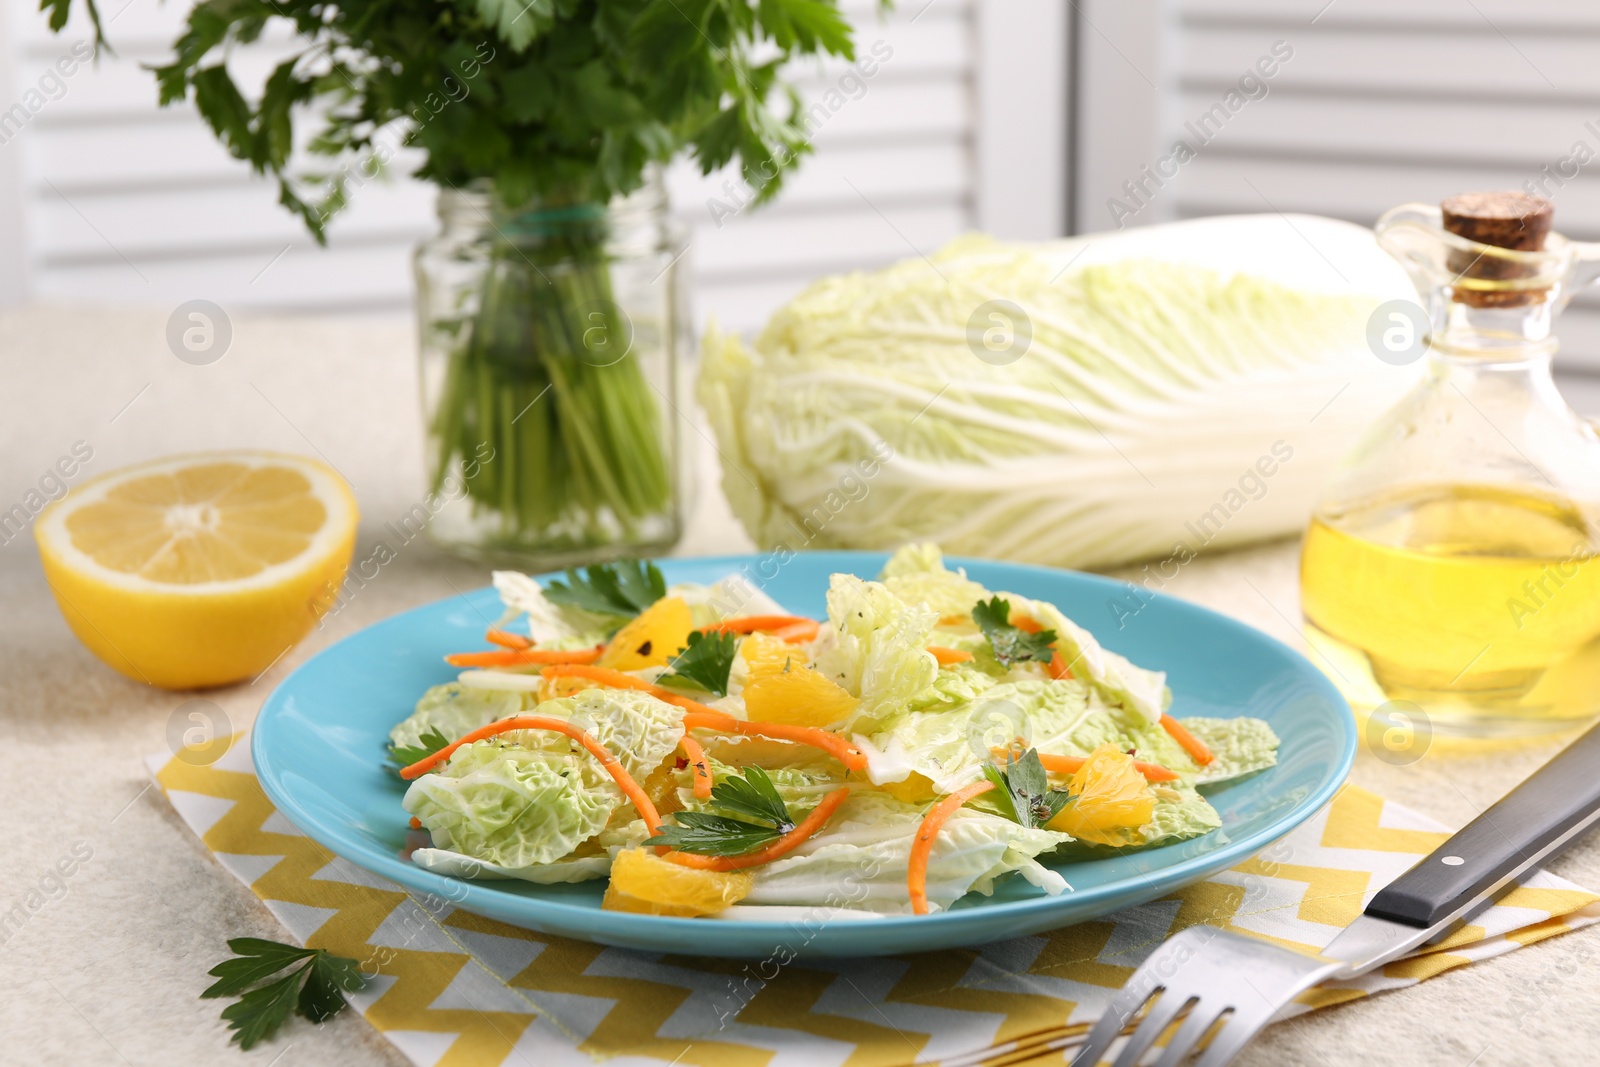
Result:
{"points": [[451, 988]]}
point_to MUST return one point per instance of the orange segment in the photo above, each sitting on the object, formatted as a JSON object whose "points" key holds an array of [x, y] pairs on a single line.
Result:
{"points": [[799, 696], [645, 883], [917, 789], [651, 639], [764, 654], [1111, 800]]}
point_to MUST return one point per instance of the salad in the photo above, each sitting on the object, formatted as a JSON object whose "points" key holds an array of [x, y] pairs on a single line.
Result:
{"points": [[713, 755]]}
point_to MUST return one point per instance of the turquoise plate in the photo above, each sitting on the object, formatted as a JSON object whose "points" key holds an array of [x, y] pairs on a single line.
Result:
{"points": [[319, 750]]}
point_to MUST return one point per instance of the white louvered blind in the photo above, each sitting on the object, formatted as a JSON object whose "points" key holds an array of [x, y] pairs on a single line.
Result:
{"points": [[1382, 102], [1387, 101], [123, 202]]}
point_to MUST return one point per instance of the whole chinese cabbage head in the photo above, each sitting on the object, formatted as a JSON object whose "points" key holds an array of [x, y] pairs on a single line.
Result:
{"points": [[1135, 395]]}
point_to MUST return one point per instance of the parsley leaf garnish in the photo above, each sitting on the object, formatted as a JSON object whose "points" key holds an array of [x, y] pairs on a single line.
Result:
{"points": [[703, 663], [713, 835], [313, 988], [430, 742], [753, 795], [618, 589], [1023, 792], [1010, 644], [622, 589], [709, 834]]}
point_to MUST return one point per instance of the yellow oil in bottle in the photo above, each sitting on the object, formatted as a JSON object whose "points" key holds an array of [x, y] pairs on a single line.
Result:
{"points": [[1480, 604]]}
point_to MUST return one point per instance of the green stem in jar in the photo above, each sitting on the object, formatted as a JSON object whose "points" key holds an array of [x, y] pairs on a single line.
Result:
{"points": [[542, 373]]}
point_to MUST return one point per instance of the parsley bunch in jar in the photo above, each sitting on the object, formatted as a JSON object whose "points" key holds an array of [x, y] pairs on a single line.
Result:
{"points": [[552, 314]]}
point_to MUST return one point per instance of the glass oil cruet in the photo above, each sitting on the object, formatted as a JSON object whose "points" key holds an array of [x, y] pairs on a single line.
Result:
{"points": [[1451, 562]]}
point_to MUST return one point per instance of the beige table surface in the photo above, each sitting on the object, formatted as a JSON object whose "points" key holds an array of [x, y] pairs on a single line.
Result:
{"points": [[108, 970]]}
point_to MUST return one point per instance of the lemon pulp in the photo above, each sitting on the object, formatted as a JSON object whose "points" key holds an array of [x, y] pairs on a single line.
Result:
{"points": [[198, 570]]}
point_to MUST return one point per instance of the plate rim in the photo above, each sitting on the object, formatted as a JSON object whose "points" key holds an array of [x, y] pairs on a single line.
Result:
{"points": [[483, 899]]}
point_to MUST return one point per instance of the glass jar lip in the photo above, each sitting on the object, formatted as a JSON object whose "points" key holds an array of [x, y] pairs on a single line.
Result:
{"points": [[476, 203]]}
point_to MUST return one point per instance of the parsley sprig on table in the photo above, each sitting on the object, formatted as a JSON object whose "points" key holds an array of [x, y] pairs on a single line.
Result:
{"points": [[752, 796], [621, 589], [431, 741], [1022, 790], [1010, 644], [313, 989], [703, 663]]}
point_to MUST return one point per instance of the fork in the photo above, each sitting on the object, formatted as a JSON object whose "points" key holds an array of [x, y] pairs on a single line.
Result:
{"points": [[1244, 982]]}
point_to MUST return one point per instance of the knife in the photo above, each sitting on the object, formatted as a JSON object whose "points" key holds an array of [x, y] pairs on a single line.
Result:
{"points": [[1534, 822]]}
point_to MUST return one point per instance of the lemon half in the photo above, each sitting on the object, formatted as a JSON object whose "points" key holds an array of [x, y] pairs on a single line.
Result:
{"points": [[199, 570]]}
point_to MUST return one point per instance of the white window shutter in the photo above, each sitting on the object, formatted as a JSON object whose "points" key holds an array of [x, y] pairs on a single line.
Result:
{"points": [[121, 202], [1022, 117], [1382, 102]]}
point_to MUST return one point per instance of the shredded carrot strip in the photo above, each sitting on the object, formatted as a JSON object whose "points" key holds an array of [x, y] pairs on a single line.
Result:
{"points": [[416, 823], [750, 624], [1058, 665], [1153, 772], [603, 675], [507, 639], [947, 656], [697, 761], [801, 632], [613, 766], [778, 849], [621, 680], [1026, 623], [1191, 744], [831, 743], [922, 844], [692, 706], [703, 716], [522, 657]]}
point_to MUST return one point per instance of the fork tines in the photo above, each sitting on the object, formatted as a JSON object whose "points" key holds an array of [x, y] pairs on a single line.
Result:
{"points": [[1231, 987]]}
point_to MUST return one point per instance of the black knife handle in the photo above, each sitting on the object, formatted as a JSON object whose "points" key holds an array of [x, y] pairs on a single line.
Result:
{"points": [[1533, 822]]}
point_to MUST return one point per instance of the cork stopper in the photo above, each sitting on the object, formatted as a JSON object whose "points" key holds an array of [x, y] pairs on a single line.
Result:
{"points": [[1507, 219]]}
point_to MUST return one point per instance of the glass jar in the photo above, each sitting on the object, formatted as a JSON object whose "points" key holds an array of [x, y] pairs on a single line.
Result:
{"points": [[551, 341], [1450, 567]]}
